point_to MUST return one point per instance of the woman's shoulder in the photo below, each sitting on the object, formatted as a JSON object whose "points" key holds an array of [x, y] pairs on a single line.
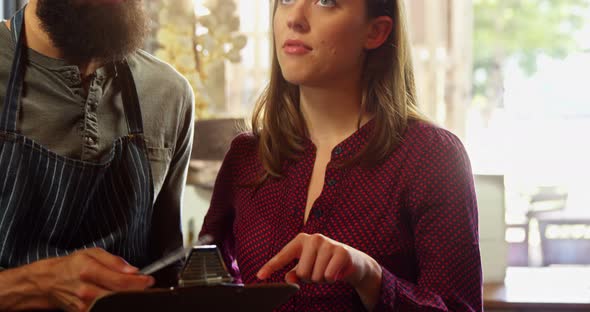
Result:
{"points": [[244, 145], [428, 133], [244, 140], [242, 164], [427, 139]]}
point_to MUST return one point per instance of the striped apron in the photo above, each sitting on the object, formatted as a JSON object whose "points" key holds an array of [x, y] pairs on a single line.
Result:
{"points": [[51, 205]]}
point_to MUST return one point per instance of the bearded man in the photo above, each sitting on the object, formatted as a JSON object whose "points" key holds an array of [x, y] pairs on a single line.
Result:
{"points": [[95, 140]]}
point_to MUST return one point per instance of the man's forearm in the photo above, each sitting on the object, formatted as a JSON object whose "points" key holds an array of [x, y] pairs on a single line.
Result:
{"points": [[19, 292]]}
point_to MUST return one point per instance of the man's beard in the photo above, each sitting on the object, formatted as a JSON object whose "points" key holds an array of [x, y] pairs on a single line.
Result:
{"points": [[84, 32]]}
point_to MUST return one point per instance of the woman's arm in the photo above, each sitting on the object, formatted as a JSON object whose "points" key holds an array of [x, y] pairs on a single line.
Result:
{"points": [[443, 206], [219, 219]]}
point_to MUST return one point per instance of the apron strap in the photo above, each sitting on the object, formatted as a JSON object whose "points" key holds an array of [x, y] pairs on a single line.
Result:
{"points": [[130, 98], [14, 87]]}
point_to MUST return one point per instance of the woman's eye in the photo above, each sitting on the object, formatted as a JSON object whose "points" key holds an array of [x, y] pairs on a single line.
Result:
{"points": [[327, 3]]}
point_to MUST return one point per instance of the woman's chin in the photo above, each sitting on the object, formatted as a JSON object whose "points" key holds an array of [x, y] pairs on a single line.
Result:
{"points": [[298, 78]]}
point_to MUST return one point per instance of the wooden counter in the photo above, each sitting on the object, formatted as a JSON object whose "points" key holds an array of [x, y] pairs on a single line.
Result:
{"points": [[540, 289]]}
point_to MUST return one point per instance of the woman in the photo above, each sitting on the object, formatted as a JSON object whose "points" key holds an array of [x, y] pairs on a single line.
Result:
{"points": [[342, 186]]}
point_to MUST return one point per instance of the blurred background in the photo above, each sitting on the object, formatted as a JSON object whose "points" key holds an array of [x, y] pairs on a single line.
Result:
{"points": [[507, 76]]}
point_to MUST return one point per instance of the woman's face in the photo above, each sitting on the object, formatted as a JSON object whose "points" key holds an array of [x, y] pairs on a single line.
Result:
{"points": [[319, 42]]}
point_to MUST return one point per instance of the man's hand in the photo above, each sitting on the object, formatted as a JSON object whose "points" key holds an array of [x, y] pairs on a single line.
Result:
{"points": [[72, 282]]}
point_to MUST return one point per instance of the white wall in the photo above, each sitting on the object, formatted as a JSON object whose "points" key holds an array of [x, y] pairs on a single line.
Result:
{"points": [[491, 203], [195, 206]]}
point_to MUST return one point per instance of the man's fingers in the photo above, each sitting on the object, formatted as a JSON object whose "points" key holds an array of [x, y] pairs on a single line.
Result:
{"points": [[75, 306], [68, 302], [290, 252], [102, 276], [87, 293], [110, 261]]}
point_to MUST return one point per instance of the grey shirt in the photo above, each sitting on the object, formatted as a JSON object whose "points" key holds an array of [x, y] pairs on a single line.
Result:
{"points": [[56, 112]]}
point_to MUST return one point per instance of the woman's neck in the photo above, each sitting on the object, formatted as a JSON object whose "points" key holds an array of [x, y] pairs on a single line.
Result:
{"points": [[332, 114]]}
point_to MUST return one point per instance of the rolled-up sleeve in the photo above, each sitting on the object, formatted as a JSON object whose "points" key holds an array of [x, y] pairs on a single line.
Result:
{"points": [[166, 231]]}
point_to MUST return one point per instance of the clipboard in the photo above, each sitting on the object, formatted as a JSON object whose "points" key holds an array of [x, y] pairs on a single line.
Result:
{"points": [[204, 285], [222, 297]]}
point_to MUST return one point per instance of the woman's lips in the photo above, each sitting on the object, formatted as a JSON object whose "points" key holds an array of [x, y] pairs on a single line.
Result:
{"points": [[296, 47]]}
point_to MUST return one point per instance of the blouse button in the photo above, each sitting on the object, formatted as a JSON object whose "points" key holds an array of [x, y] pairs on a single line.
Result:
{"points": [[318, 213], [338, 150], [331, 182]]}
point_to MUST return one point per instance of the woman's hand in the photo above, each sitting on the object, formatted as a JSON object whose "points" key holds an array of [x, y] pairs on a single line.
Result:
{"points": [[324, 260]]}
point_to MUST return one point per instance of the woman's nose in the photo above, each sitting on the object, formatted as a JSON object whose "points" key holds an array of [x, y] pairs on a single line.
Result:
{"points": [[297, 16]]}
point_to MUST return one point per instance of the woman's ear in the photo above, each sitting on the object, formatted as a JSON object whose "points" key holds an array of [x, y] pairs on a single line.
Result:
{"points": [[379, 31]]}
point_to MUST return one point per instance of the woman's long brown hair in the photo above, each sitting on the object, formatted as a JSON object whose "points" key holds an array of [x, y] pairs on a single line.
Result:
{"points": [[388, 94]]}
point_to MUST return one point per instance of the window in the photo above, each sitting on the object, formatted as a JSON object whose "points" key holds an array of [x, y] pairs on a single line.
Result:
{"points": [[528, 120], [247, 79]]}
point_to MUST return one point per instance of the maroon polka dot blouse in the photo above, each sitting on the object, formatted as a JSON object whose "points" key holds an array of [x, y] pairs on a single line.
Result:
{"points": [[415, 213]]}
